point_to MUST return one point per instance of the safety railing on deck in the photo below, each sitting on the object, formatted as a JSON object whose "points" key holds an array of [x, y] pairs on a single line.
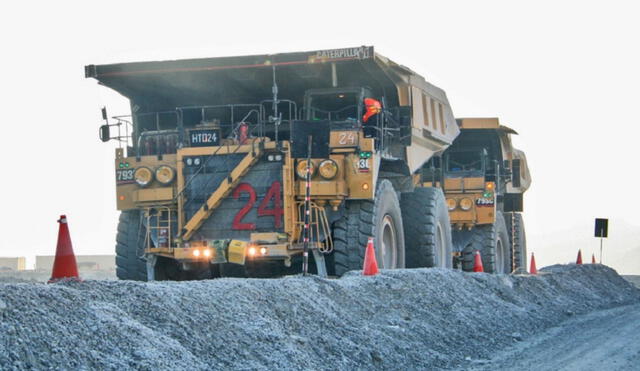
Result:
{"points": [[264, 126], [124, 123]]}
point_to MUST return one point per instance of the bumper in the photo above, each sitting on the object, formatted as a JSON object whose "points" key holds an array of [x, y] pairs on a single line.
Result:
{"points": [[233, 251]]}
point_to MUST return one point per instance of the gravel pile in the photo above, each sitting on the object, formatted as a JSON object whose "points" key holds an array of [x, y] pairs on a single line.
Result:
{"points": [[421, 318]]}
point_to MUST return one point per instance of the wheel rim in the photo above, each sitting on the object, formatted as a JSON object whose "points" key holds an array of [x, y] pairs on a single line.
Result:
{"points": [[388, 251], [440, 250], [499, 256]]}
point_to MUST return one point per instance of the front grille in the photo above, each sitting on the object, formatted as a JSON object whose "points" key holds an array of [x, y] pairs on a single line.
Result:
{"points": [[233, 213]]}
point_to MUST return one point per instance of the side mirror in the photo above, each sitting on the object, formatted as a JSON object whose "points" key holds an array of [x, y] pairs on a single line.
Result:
{"points": [[104, 113], [105, 133], [515, 173]]}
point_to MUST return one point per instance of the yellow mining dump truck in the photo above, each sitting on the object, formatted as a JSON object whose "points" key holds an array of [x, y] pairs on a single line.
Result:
{"points": [[210, 174], [485, 178]]}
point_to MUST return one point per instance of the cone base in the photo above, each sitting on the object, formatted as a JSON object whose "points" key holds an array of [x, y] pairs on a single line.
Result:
{"points": [[64, 279], [64, 266]]}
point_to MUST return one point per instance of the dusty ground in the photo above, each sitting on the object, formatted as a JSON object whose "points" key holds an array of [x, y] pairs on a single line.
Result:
{"points": [[406, 319], [606, 339], [633, 279]]}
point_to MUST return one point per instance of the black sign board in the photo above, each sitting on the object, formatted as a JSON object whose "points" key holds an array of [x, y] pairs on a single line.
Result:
{"points": [[601, 227], [204, 137], [319, 132]]}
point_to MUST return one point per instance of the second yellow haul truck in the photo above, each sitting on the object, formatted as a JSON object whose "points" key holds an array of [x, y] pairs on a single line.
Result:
{"points": [[212, 167], [485, 178]]}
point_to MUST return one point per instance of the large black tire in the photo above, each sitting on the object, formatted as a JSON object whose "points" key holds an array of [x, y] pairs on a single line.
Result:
{"points": [[493, 243], [427, 228], [380, 219], [130, 262], [515, 221]]}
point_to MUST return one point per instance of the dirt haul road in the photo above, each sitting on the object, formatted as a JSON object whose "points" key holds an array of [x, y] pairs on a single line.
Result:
{"points": [[603, 340], [403, 319]]}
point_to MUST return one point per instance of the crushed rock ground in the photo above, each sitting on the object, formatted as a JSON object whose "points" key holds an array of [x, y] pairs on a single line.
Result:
{"points": [[403, 319]]}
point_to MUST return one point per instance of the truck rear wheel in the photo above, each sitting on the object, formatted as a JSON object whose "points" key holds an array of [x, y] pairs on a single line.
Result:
{"points": [[427, 228], [130, 262], [515, 221], [380, 219], [493, 243]]}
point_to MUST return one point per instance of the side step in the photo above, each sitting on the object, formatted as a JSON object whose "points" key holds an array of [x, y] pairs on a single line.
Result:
{"points": [[223, 191]]}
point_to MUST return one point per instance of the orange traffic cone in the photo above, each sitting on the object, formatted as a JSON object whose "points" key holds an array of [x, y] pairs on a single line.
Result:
{"points": [[533, 269], [64, 266], [579, 260], [370, 267], [593, 258], [477, 263]]}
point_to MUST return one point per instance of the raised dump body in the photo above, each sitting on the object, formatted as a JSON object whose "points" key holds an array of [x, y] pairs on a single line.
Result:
{"points": [[214, 171]]}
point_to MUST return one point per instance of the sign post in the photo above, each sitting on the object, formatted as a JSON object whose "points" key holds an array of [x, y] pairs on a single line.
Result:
{"points": [[601, 231]]}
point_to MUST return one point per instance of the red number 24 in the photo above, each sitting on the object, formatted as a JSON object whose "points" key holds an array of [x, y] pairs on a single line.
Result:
{"points": [[274, 193]]}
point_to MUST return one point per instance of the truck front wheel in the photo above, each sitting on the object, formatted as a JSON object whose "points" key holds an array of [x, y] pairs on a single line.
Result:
{"points": [[380, 219], [427, 230], [130, 261], [493, 243]]}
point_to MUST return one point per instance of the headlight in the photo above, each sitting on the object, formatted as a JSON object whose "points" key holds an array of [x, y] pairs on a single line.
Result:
{"points": [[165, 174], [466, 204], [451, 204], [143, 176], [328, 169], [489, 186], [301, 169]]}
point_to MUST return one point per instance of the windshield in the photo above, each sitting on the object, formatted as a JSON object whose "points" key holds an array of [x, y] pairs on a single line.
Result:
{"points": [[334, 107], [465, 161]]}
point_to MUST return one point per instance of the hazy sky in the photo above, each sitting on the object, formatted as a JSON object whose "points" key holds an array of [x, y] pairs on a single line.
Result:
{"points": [[565, 75]]}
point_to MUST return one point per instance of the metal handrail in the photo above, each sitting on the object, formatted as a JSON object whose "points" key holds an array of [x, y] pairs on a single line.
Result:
{"points": [[127, 138]]}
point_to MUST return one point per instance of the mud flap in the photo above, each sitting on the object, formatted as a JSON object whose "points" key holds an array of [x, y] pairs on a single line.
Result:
{"points": [[151, 267], [318, 257]]}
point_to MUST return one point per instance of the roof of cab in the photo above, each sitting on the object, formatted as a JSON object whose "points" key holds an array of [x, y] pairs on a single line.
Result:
{"points": [[483, 123]]}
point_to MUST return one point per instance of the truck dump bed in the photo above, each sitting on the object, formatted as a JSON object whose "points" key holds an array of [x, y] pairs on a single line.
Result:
{"points": [[169, 84], [166, 85]]}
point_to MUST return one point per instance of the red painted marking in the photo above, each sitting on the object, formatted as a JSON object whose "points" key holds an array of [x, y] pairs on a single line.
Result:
{"points": [[237, 225], [274, 193], [277, 212]]}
